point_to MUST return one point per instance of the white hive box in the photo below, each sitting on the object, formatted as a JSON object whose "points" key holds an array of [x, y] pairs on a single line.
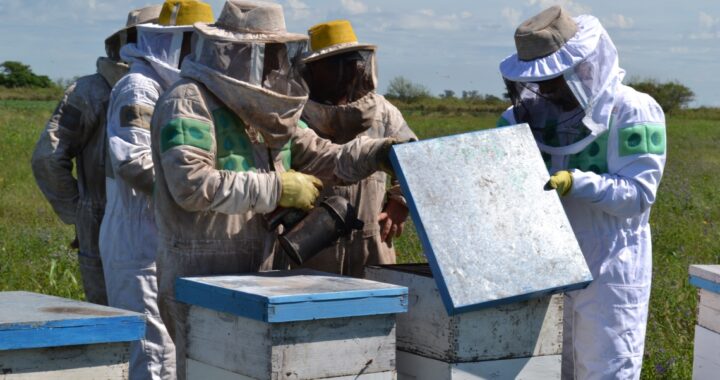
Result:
{"points": [[45, 337], [706, 362], [291, 325], [519, 340]]}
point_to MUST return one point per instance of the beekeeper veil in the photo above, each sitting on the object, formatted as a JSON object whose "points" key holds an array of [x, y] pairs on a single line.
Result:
{"points": [[562, 79], [165, 44], [248, 60]]}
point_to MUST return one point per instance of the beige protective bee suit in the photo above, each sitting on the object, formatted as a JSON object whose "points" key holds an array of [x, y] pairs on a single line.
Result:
{"points": [[220, 136], [366, 114], [76, 130], [374, 117]]}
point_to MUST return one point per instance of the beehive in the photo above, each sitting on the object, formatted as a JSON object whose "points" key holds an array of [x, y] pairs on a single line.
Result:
{"points": [[45, 337], [706, 362], [291, 325]]}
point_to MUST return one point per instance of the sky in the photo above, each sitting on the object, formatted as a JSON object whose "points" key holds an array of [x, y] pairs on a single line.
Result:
{"points": [[449, 44]]}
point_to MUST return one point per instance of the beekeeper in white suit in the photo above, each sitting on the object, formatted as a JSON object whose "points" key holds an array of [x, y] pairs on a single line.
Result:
{"points": [[604, 144], [128, 236]]}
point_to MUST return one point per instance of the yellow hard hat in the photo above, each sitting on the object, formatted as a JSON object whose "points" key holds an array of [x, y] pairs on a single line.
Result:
{"points": [[185, 12]]}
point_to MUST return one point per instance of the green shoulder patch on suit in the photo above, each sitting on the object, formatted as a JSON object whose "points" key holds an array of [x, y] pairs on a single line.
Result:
{"points": [[593, 158], [642, 139], [185, 132], [136, 116]]}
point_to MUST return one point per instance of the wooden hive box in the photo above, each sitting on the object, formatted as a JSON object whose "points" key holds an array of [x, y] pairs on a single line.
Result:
{"points": [[706, 362], [522, 339], [45, 337], [290, 325]]}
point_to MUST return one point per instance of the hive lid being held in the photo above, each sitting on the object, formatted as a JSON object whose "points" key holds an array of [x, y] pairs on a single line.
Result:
{"points": [[285, 296], [490, 232]]}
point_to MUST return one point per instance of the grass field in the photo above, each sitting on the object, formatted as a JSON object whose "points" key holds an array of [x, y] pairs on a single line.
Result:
{"points": [[34, 253]]}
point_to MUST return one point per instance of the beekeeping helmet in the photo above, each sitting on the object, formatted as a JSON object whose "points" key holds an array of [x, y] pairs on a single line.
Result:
{"points": [[117, 40], [337, 65], [562, 79], [250, 43], [165, 44]]}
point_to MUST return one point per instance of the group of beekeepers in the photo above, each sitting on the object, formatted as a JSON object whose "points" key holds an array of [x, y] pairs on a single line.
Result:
{"points": [[193, 128]]}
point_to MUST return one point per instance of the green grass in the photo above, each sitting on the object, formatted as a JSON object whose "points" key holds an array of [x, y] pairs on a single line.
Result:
{"points": [[34, 253]]}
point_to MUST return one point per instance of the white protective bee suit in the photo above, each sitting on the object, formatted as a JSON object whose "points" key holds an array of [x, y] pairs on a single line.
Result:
{"points": [[128, 236], [614, 146]]}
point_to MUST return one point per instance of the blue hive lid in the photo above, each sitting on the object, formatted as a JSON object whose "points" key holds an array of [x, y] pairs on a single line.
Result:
{"points": [[285, 296], [491, 233], [31, 320]]}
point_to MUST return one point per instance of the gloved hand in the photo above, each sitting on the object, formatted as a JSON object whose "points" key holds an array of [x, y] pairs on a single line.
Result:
{"points": [[299, 190], [561, 181], [392, 220], [383, 154]]}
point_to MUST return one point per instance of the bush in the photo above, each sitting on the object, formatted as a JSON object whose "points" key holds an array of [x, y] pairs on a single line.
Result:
{"points": [[15, 74], [403, 89], [672, 96]]}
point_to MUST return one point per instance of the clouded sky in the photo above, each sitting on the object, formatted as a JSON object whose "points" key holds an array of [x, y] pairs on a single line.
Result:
{"points": [[448, 44]]}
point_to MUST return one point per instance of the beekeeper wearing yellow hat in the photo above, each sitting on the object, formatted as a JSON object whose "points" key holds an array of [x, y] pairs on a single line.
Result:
{"points": [[128, 235], [76, 130], [342, 78], [228, 147], [604, 145]]}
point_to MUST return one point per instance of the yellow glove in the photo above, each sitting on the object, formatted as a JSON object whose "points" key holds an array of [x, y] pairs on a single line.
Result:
{"points": [[299, 190], [561, 181]]}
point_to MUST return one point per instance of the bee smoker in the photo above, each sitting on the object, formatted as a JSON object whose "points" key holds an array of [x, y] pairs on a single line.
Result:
{"points": [[308, 233]]}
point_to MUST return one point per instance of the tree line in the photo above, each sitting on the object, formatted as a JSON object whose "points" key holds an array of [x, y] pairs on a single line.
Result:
{"points": [[672, 96]]}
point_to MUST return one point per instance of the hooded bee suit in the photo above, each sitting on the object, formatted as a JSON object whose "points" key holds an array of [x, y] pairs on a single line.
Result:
{"points": [[614, 146], [128, 236], [77, 130], [221, 136], [373, 116]]}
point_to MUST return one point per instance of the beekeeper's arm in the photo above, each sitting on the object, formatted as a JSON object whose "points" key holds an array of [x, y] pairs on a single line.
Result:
{"points": [[59, 143], [636, 159], [128, 132]]}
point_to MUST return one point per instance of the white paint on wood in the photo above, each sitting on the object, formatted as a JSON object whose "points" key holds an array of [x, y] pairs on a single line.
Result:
{"points": [[416, 367], [709, 318], [706, 362], [294, 350], [202, 371], [706, 272], [709, 299], [527, 328], [97, 361]]}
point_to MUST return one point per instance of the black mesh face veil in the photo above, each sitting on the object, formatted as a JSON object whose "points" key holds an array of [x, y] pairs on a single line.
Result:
{"points": [[349, 75], [551, 121], [267, 65]]}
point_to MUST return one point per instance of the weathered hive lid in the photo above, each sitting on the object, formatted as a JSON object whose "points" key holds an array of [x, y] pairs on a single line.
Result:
{"points": [[31, 320], [706, 277], [490, 232], [285, 296]]}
